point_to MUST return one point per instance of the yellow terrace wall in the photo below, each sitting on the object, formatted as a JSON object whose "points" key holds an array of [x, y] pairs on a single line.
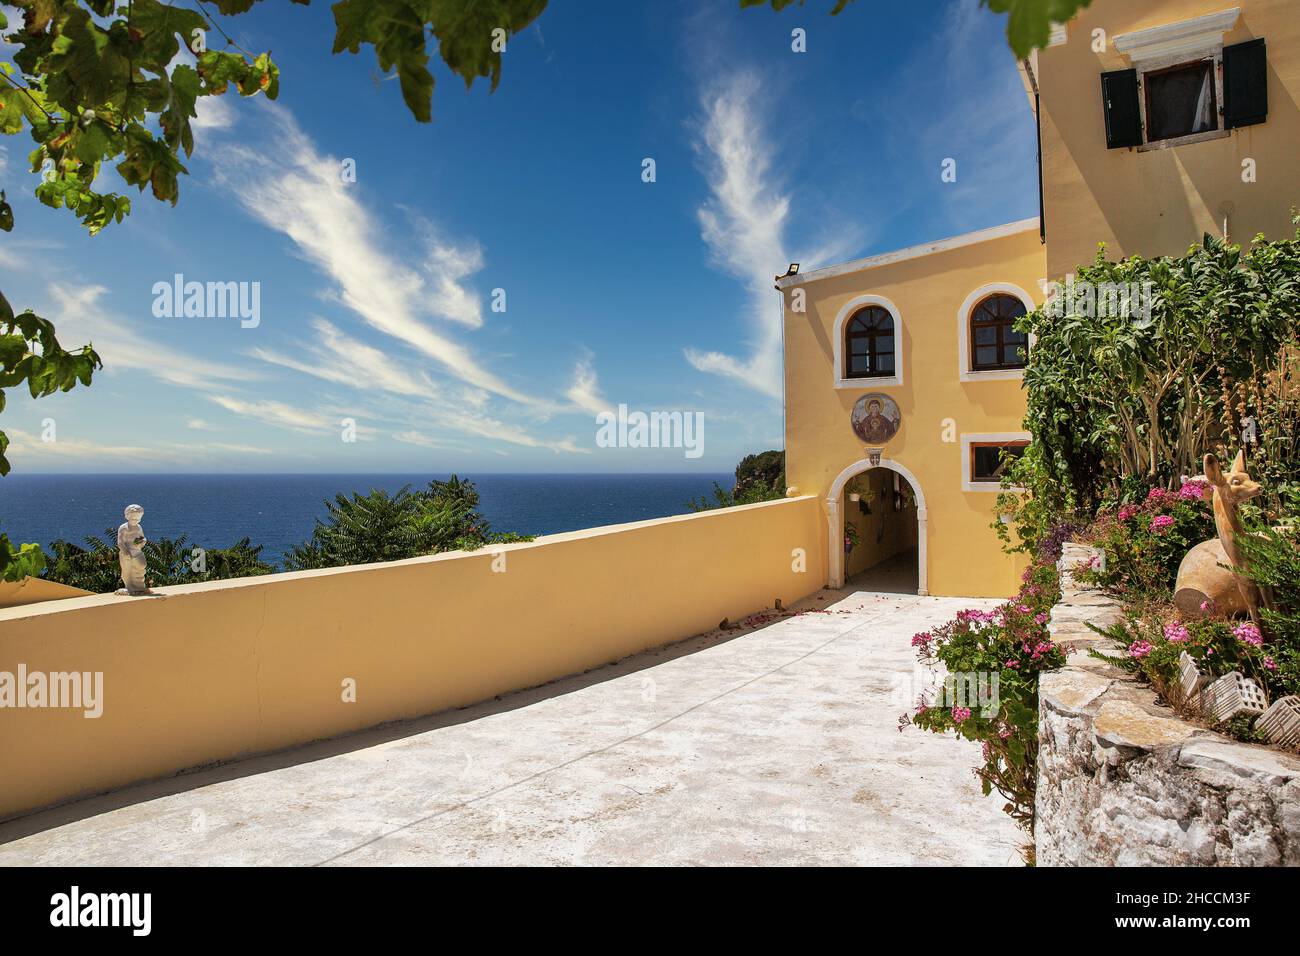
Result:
{"points": [[964, 556], [1160, 201], [208, 672]]}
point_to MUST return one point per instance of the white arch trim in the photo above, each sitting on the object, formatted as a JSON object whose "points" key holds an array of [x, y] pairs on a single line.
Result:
{"points": [[841, 319], [964, 371], [835, 521]]}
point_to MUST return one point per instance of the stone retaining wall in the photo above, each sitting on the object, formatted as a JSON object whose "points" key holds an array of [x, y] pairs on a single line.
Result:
{"points": [[1122, 780]]}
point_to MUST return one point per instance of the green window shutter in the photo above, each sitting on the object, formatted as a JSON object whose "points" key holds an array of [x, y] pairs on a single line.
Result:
{"points": [[1245, 84]]}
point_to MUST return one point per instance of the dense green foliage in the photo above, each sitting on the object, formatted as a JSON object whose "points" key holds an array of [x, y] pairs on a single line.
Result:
{"points": [[381, 527], [30, 354], [1272, 554], [93, 565], [1011, 643], [1153, 642], [360, 529], [759, 477], [1120, 402]]}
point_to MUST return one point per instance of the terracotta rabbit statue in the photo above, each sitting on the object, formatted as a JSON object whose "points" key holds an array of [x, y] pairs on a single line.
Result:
{"points": [[1202, 583]]}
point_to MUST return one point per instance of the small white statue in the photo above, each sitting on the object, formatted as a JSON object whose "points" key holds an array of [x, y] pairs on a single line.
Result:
{"points": [[130, 552]]}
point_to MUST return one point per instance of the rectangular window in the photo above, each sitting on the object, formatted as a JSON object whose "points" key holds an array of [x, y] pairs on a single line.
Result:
{"points": [[1181, 101], [990, 460]]}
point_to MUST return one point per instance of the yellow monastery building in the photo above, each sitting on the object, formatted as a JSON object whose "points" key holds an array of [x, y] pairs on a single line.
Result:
{"points": [[1159, 121]]}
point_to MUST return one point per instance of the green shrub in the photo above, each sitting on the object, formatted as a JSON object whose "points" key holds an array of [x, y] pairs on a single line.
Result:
{"points": [[759, 477], [1115, 399], [1012, 643], [1146, 540]]}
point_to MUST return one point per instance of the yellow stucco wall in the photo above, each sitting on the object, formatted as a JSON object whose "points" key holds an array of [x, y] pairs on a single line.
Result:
{"points": [[1158, 202], [964, 556], [208, 672]]}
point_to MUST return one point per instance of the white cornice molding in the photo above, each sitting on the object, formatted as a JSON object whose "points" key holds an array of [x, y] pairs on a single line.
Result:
{"points": [[912, 252], [1187, 37]]}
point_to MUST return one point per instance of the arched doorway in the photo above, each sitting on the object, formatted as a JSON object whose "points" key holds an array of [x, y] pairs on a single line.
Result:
{"points": [[836, 513]]}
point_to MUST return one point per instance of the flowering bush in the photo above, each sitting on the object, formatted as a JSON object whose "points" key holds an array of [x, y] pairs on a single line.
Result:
{"points": [[1155, 638], [1146, 540], [1010, 642]]}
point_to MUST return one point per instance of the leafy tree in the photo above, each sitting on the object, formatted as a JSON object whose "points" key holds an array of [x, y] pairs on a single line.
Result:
{"points": [[378, 526], [30, 354], [94, 566], [1120, 402], [759, 477]]}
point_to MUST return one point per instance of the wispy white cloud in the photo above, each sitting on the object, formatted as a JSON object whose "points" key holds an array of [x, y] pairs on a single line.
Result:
{"points": [[279, 414], [214, 113], [81, 319], [584, 393], [344, 360], [30, 447], [743, 224], [293, 188]]}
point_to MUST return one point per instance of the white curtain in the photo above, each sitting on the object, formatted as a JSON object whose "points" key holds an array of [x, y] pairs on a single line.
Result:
{"points": [[1204, 104]]}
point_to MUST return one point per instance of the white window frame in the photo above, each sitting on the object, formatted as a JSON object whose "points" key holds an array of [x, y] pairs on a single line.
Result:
{"points": [[973, 438], [1177, 44], [841, 321], [964, 371]]}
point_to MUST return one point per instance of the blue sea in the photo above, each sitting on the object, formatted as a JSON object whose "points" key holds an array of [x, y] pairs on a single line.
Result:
{"points": [[279, 511]]}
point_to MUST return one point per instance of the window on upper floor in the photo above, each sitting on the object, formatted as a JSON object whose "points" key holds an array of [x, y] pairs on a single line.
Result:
{"points": [[869, 344], [994, 342], [1185, 85], [1181, 100]]}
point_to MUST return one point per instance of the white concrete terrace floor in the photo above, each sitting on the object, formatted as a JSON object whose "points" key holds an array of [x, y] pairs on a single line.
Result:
{"points": [[773, 744]]}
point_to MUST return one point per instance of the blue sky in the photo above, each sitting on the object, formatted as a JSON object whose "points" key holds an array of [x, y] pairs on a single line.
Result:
{"points": [[376, 296]]}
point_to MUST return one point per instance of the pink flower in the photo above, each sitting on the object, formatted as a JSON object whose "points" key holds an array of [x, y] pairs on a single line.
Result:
{"points": [[1139, 649], [1193, 489], [1207, 605], [1024, 608], [1161, 523], [959, 714], [1176, 632], [1041, 619], [1248, 633], [1127, 512], [1157, 494], [1012, 663], [1270, 664]]}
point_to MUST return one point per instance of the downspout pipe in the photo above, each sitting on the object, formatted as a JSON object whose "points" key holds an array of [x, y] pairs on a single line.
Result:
{"points": [[1038, 131]]}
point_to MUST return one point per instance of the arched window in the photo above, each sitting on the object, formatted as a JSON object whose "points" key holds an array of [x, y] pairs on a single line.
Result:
{"points": [[869, 344], [994, 343]]}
